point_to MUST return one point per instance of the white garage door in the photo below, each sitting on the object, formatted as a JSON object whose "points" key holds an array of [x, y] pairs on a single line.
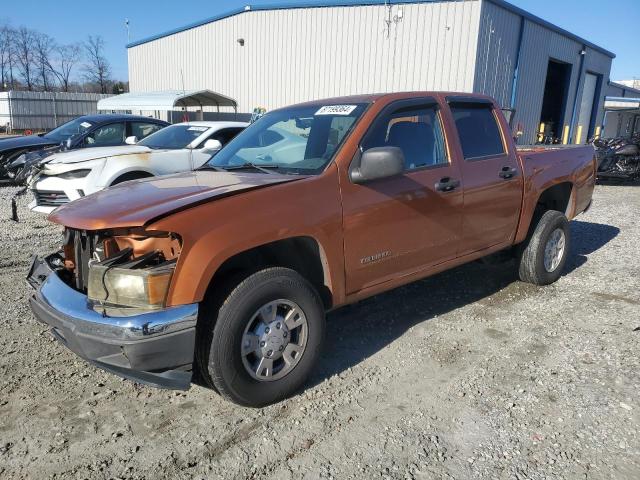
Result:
{"points": [[586, 104]]}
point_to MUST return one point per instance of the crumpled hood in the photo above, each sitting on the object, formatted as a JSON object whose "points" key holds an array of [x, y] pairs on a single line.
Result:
{"points": [[92, 153], [136, 203], [24, 142]]}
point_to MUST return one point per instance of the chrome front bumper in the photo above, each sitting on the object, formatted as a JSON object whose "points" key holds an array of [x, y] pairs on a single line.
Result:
{"points": [[155, 348]]}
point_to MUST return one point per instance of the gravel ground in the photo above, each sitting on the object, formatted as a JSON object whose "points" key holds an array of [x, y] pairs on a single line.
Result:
{"points": [[468, 374]]}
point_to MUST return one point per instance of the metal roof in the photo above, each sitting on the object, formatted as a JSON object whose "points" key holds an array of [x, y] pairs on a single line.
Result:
{"points": [[624, 87], [166, 100], [108, 117], [359, 3]]}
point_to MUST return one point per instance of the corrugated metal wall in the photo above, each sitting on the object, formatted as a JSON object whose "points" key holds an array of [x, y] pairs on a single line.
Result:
{"points": [[619, 90], [497, 50], [298, 54], [621, 124], [44, 110], [293, 55]]}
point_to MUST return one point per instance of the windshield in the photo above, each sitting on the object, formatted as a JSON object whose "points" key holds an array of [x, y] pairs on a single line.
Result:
{"points": [[298, 140], [70, 129], [173, 137]]}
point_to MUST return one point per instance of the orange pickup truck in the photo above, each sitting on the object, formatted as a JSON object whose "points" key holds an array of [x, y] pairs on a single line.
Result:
{"points": [[226, 273]]}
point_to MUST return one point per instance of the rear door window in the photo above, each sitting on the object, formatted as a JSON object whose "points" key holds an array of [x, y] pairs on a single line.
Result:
{"points": [[111, 134], [478, 130]]}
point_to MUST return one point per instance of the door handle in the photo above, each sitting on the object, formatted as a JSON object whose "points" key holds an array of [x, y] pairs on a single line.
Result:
{"points": [[447, 184], [508, 172]]}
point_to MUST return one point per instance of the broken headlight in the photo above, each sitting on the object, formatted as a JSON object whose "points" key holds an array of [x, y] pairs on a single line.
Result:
{"points": [[139, 283]]}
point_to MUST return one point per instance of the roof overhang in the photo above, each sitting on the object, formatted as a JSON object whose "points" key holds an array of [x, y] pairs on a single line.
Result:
{"points": [[621, 103], [361, 3], [166, 100]]}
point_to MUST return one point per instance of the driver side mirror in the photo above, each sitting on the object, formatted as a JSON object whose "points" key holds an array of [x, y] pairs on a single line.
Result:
{"points": [[212, 145], [378, 162], [132, 140], [67, 144]]}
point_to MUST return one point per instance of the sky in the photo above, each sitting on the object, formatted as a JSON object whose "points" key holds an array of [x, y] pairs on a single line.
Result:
{"points": [[613, 24]]}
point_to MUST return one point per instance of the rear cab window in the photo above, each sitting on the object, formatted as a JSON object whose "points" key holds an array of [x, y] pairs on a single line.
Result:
{"points": [[478, 130]]}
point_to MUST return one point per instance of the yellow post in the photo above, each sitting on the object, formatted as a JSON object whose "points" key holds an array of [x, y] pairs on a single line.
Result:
{"points": [[541, 132], [597, 134], [579, 135], [565, 135]]}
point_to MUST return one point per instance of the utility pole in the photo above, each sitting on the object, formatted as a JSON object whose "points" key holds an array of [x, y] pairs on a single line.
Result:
{"points": [[126, 25]]}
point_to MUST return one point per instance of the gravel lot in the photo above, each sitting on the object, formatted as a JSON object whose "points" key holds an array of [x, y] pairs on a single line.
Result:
{"points": [[468, 374]]}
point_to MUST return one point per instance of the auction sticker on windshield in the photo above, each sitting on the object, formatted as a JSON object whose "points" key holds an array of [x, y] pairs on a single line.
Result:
{"points": [[85, 124], [336, 110], [198, 129]]}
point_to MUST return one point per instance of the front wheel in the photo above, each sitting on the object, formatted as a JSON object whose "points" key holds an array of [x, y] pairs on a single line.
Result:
{"points": [[544, 253], [259, 344]]}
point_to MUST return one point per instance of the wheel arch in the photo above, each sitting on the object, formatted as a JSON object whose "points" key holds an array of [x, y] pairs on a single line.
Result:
{"points": [[117, 176], [557, 196], [304, 254]]}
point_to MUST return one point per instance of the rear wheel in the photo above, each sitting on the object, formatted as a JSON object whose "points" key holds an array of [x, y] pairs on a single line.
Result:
{"points": [[259, 344], [544, 253]]}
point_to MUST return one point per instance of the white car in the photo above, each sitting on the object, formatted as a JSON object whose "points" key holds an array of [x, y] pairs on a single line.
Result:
{"points": [[68, 176]]}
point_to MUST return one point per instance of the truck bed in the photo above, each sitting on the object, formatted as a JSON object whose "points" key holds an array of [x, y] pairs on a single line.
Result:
{"points": [[547, 165]]}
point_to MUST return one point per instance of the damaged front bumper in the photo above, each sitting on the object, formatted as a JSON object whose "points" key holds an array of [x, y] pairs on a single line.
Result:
{"points": [[154, 348]]}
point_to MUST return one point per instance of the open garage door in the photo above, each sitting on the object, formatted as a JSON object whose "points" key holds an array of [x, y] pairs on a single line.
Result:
{"points": [[554, 101]]}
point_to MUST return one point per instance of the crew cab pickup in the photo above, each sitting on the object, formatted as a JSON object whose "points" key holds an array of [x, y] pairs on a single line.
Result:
{"points": [[227, 271]]}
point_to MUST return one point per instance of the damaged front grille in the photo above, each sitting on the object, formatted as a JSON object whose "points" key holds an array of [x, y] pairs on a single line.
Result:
{"points": [[136, 249], [84, 247], [50, 198]]}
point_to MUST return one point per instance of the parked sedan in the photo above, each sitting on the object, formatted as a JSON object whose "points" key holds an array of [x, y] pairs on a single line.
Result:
{"points": [[70, 175], [86, 131]]}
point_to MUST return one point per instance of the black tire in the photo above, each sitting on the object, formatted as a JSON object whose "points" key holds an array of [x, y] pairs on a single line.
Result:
{"points": [[532, 251], [131, 176], [223, 323]]}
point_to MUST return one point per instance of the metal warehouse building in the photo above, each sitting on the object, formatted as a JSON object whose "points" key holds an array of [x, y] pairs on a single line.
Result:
{"points": [[271, 56]]}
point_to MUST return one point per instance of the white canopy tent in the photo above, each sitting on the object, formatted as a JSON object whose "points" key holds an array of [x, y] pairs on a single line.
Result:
{"points": [[167, 100]]}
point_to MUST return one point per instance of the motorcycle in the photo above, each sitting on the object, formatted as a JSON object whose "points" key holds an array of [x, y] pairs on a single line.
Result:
{"points": [[618, 158]]}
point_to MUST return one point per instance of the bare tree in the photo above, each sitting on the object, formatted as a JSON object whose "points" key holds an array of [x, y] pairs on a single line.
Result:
{"points": [[66, 57], [6, 56], [43, 46], [24, 54], [97, 70]]}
